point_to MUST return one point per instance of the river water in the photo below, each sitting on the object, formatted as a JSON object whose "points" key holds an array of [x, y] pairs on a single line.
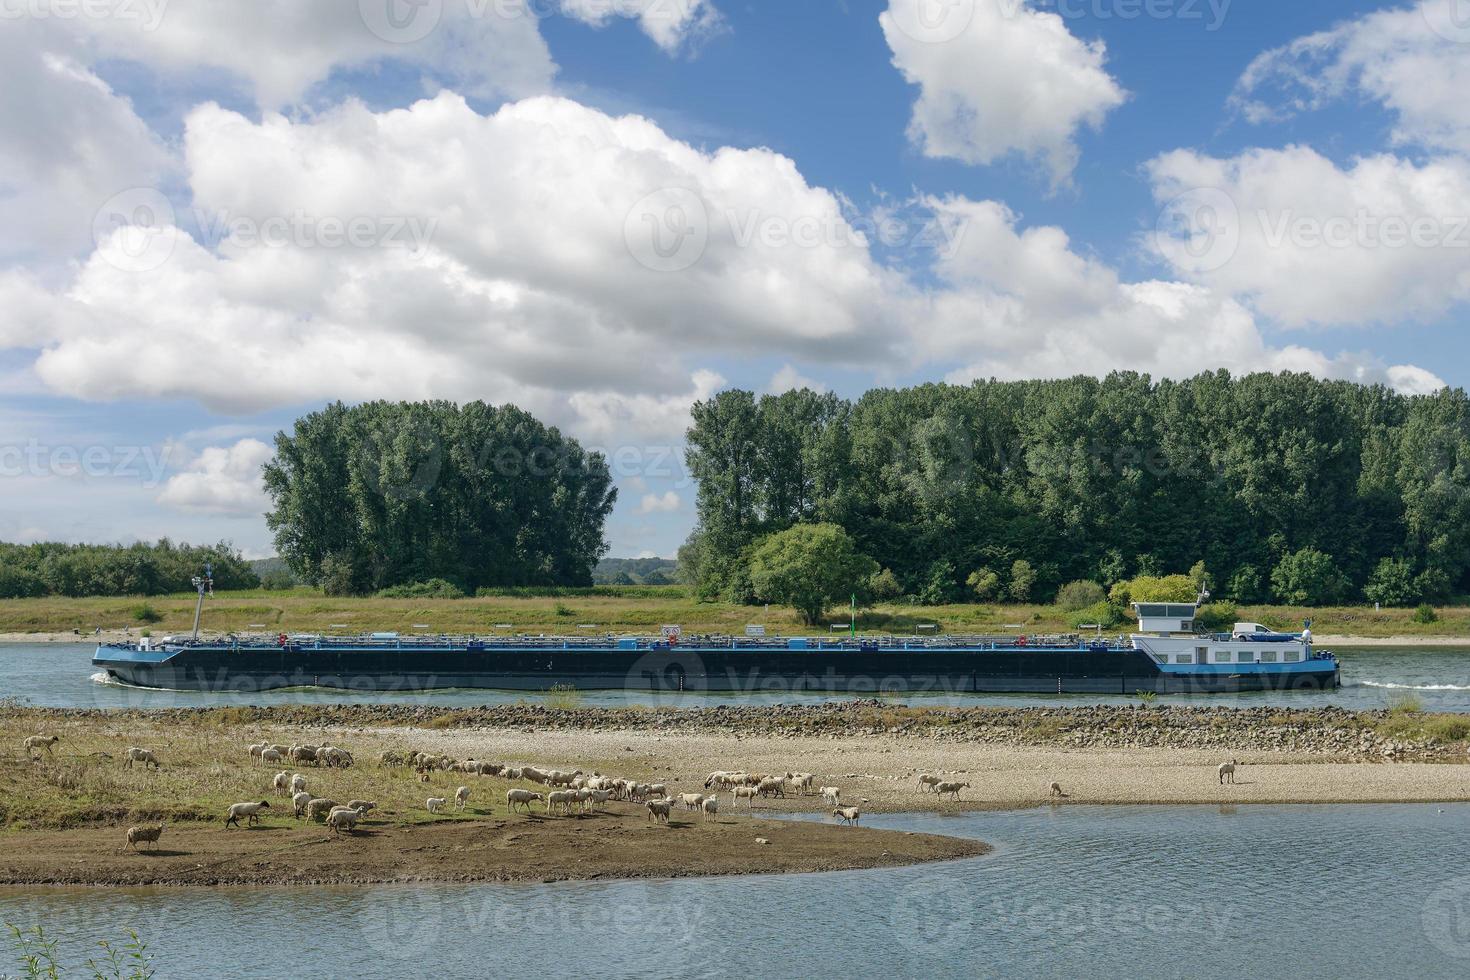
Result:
{"points": [[61, 675], [1265, 891]]}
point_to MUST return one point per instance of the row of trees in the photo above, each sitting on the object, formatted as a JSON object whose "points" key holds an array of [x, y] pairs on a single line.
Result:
{"points": [[31, 570], [1286, 486], [386, 494]]}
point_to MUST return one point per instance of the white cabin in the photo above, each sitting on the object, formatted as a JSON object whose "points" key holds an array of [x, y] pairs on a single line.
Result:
{"points": [[1166, 633]]}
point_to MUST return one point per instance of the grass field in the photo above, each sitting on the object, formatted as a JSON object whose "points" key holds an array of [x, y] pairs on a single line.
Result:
{"points": [[619, 609]]}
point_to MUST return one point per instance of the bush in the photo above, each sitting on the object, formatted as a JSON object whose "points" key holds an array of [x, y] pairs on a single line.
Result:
{"points": [[984, 583], [1080, 594], [885, 585], [434, 588], [1023, 578], [1104, 614], [1392, 583], [1308, 578], [1217, 617], [146, 614], [1153, 588], [1425, 614]]}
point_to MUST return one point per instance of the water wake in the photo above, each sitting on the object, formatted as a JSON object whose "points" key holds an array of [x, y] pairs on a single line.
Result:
{"points": [[1415, 687]]}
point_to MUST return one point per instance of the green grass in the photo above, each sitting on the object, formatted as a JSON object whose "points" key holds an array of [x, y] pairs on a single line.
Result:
{"points": [[634, 609]]}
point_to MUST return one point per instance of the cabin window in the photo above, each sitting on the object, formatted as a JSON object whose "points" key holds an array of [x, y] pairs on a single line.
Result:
{"points": [[1222, 656], [1291, 656], [1184, 658], [1268, 656], [1246, 657]]}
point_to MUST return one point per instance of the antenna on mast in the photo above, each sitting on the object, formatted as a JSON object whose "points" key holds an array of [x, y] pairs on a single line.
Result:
{"points": [[202, 583]]}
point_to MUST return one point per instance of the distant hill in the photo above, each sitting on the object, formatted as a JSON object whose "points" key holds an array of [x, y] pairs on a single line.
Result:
{"points": [[273, 573], [635, 571]]}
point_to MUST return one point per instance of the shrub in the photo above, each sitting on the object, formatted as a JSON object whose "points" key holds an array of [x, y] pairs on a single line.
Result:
{"points": [[434, 588], [885, 585], [1104, 614], [1425, 614], [1080, 595], [1153, 588], [1217, 617], [1308, 578], [564, 610], [1392, 583], [146, 614], [1023, 578], [984, 583]]}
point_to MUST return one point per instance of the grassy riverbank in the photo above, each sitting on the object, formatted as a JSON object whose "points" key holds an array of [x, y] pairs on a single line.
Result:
{"points": [[623, 609]]}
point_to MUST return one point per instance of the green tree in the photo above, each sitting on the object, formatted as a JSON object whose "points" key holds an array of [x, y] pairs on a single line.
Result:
{"points": [[1080, 594], [1023, 578], [1392, 583], [984, 583], [809, 567], [1308, 578], [885, 585]]}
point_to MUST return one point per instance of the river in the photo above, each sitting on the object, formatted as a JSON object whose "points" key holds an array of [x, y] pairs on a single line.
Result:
{"points": [[1110, 891], [61, 675]]}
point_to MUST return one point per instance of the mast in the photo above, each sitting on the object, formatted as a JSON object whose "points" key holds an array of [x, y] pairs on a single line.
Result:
{"points": [[202, 583]]}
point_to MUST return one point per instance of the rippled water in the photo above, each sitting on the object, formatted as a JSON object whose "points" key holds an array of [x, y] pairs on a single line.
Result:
{"points": [[61, 675], [1319, 891]]}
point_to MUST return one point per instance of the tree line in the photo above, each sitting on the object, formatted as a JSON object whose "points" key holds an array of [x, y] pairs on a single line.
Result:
{"points": [[51, 568], [1285, 487]]}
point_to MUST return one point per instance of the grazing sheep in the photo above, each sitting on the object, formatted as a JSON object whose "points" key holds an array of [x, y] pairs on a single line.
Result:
{"points": [[35, 743], [278, 747], [738, 793], [927, 781], [298, 783], [1055, 789], [771, 786], [139, 755], [659, 810], [535, 775], [301, 801], [801, 780], [561, 799], [319, 808], [281, 783], [270, 756], [490, 769], [950, 789], [719, 779], [461, 797], [433, 803], [145, 835], [255, 751], [302, 754], [388, 757], [847, 814], [362, 806], [1225, 772], [343, 818], [832, 795], [250, 811], [711, 806], [558, 778], [511, 774], [522, 797]]}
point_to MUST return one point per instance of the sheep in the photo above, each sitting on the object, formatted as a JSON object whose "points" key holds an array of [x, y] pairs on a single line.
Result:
{"points": [[280, 783], [285, 750], [319, 808], [302, 754], [522, 797], [950, 789], [927, 781], [560, 799], [343, 818], [1225, 772], [691, 801], [255, 751], [847, 814], [35, 743], [711, 807], [145, 835], [461, 797], [534, 775], [250, 811], [269, 756], [832, 795], [1055, 789], [738, 793], [558, 778], [659, 810], [512, 773], [298, 783], [301, 800], [720, 779], [490, 769], [771, 786], [802, 781], [388, 757], [597, 797], [144, 756], [362, 806], [433, 803]]}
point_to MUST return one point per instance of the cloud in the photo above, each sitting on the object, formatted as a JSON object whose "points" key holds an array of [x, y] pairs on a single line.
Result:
{"points": [[223, 480], [1415, 61], [1306, 241], [997, 77], [788, 378], [653, 503], [673, 25]]}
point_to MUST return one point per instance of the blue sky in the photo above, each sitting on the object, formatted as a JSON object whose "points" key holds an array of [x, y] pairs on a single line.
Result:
{"points": [[1123, 185]]}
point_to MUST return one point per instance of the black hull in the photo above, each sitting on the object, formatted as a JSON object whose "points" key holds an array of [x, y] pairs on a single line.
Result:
{"points": [[1117, 672]]}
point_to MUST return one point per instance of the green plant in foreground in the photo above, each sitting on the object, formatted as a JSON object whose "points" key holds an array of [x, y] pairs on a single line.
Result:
{"points": [[37, 955], [1147, 697], [1425, 614], [563, 696], [1405, 704]]}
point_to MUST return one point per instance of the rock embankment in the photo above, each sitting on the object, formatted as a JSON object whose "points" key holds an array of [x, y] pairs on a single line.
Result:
{"points": [[1325, 731]]}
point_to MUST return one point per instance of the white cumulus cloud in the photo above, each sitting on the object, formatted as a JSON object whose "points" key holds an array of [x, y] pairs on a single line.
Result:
{"points": [[655, 503], [223, 480]]}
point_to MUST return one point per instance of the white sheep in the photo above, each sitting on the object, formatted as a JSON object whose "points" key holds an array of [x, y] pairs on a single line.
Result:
{"points": [[597, 797], [250, 811], [278, 747], [927, 782], [255, 751], [659, 810], [771, 786], [1225, 772], [831, 795], [522, 797], [950, 789], [144, 756], [145, 835], [738, 793], [302, 754], [535, 775], [711, 806], [461, 797], [560, 799], [847, 814], [301, 801], [433, 803], [298, 783], [802, 780], [691, 801], [280, 784], [343, 818], [35, 743], [270, 756], [319, 808]]}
